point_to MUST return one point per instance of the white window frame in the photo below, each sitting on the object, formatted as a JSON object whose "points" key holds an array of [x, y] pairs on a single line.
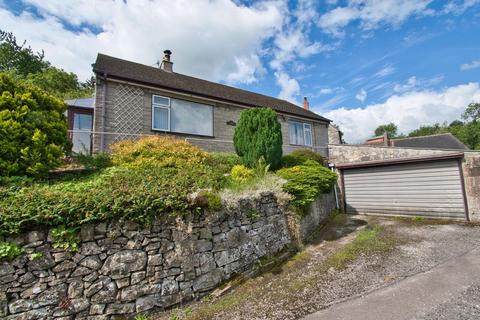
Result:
{"points": [[160, 106], [304, 128]]}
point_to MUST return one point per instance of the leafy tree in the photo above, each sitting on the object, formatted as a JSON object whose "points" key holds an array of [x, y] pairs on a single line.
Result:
{"points": [[33, 129], [472, 112], [26, 65], [391, 129], [20, 58], [258, 134], [428, 130]]}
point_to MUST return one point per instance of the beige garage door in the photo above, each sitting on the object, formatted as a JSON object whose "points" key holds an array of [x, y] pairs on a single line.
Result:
{"points": [[431, 188]]}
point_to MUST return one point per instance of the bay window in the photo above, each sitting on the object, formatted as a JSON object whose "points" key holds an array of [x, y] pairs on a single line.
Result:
{"points": [[181, 116], [300, 133]]}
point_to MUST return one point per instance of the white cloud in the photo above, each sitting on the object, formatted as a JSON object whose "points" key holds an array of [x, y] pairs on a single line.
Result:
{"points": [[290, 87], [472, 65], [385, 71], [459, 7], [413, 83], [361, 95], [210, 45], [372, 14], [408, 111]]}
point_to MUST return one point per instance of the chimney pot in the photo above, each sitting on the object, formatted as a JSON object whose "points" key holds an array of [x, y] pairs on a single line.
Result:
{"points": [[167, 65], [306, 104]]}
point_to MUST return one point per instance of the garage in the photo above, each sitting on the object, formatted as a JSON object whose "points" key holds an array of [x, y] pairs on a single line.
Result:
{"points": [[429, 186]]}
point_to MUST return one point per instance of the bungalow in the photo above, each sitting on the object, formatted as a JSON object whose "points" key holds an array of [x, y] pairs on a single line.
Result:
{"points": [[133, 100]]}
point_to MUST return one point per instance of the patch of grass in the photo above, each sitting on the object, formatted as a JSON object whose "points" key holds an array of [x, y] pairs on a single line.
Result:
{"points": [[337, 217], [372, 239]]}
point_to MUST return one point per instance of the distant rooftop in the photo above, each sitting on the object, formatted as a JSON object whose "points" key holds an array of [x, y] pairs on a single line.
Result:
{"points": [[81, 103], [436, 141]]}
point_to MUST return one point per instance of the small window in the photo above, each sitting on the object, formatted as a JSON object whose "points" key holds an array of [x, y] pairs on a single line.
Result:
{"points": [[160, 113], [300, 133]]}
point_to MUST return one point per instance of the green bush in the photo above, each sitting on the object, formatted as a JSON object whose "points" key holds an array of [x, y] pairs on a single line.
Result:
{"points": [[258, 133], [33, 129], [9, 250], [143, 185], [306, 181], [299, 156], [223, 161], [241, 174]]}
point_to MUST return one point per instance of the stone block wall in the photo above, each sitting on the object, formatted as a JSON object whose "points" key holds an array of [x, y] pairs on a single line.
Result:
{"points": [[122, 269], [340, 154]]}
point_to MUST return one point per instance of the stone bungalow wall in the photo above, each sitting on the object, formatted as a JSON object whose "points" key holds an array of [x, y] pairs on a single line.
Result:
{"points": [[128, 114], [122, 269], [340, 154]]}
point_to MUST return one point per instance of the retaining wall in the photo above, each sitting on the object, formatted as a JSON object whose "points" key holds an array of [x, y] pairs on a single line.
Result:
{"points": [[122, 269]]}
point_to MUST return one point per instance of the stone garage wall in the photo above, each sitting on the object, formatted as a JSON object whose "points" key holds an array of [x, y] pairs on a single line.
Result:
{"points": [[340, 154], [122, 269]]}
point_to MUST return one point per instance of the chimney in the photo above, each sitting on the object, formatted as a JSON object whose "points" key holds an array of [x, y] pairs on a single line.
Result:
{"points": [[306, 104], [167, 65]]}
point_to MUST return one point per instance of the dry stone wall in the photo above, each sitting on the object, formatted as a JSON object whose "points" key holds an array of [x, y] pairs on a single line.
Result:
{"points": [[122, 269]]}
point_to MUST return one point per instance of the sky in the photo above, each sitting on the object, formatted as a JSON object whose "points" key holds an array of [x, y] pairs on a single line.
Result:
{"points": [[360, 63]]}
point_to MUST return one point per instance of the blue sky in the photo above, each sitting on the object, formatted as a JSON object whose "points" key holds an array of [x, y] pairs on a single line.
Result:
{"points": [[360, 62]]}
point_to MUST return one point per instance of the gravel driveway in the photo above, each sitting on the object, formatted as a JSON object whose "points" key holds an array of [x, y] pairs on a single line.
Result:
{"points": [[299, 288]]}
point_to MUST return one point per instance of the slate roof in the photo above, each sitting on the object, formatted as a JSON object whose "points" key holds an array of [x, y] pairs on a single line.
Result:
{"points": [[436, 141], [140, 73], [81, 103]]}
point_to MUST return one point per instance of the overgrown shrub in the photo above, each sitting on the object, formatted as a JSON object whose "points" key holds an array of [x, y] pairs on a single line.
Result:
{"points": [[94, 161], [33, 129], [223, 161], [158, 151], [258, 133], [306, 181], [299, 156], [145, 183]]}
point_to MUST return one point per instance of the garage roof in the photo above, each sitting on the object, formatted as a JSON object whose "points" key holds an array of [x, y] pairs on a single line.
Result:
{"points": [[366, 164]]}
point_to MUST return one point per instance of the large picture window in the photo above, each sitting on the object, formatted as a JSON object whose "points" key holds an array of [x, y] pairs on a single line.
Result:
{"points": [[300, 133], [181, 116]]}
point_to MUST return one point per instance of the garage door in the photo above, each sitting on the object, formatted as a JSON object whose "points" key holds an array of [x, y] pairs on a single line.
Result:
{"points": [[432, 188]]}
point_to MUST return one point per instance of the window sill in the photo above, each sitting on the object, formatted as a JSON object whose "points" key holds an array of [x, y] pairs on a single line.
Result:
{"points": [[182, 134]]}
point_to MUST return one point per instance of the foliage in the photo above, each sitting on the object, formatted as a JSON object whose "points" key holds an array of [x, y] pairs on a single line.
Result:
{"points": [[9, 250], [208, 199], [157, 151], [261, 168], [94, 161], [468, 132], [306, 181], [21, 58], [472, 112], [33, 129], [223, 161], [299, 157], [252, 214], [141, 317], [145, 183], [391, 129], [258, 133], [35, 255], [241, 174], [26, 65], [65, 238]]}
